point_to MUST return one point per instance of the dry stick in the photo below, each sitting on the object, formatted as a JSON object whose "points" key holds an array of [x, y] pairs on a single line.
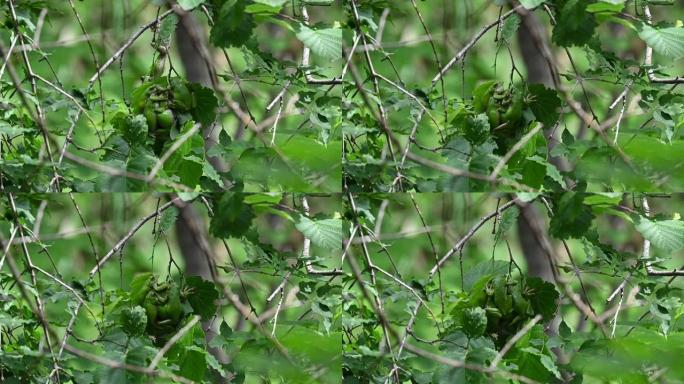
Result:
{"points": [[350, 55], [289, 298], [279, 288], [7, 246], [610, 312], [619, 120], [174, 147], [9, 53], [649, 59], [619, 288], [172, 341], [380, 217], [617, 312], [621, 97], [511, 342], [277, 311], [275, 122], [349, 242], [646, 252]]}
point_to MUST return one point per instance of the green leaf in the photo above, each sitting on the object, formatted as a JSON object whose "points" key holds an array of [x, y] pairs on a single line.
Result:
{"points": [[140, 285], [666, 41], [187, 161], [209, 172], [190, 4], [575, 26], [133, 320], [476, 129], [168, 218], [482, 269], [232, 218], [232, 25], [193, 364], [206, 103], [202, 296], [272, 3], [526, 197], [324, 42], [571, 218], [326, 233], [542, 296], [166, 29], [133, 128], [266, 199], [545, 104], [606, 8], [529, 4], [665, 234], [508, 218], [509, 28], [474, 321]]}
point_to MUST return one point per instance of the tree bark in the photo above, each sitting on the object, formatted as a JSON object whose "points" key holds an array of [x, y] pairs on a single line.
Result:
{"points": [[189, 225], [537, 72]]}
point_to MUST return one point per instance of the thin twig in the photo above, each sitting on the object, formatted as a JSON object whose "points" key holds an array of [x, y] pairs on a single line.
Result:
{"points": [[172, 341], [511, 342]]}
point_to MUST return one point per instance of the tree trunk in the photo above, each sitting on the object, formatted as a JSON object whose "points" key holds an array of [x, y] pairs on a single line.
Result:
{"points": [[537, 72], [189, 223]]}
